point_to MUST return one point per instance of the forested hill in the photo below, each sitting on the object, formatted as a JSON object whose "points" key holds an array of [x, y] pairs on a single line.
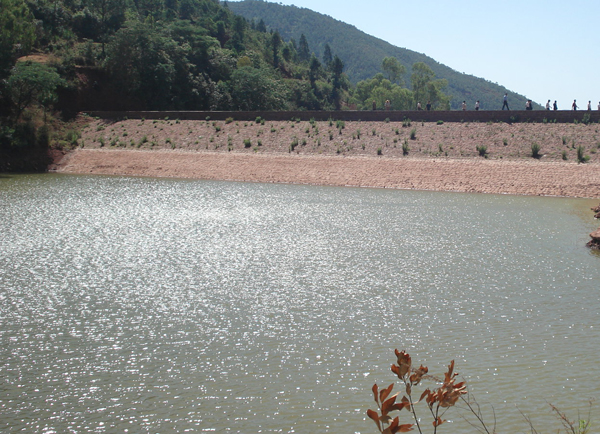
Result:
{"points": [[362, 54]]}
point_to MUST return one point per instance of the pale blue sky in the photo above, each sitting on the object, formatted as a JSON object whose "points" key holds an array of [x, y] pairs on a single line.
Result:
{"points": [[543, 49]]}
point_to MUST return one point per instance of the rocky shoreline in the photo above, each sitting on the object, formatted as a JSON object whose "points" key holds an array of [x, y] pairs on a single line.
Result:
{"points": [[595, 236]]}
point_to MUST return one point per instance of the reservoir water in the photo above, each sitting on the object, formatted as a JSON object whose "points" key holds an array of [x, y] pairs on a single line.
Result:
{"points": [[156, 305]]}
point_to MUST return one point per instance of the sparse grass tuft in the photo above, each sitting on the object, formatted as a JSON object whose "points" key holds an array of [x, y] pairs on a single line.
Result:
{"points": [[581, 157], [405, 147]]}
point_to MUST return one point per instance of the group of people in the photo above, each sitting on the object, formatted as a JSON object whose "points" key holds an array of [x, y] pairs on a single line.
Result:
{"points": [[427, 106], [574, 105], [553, 106], [528, 105], [388, 105]]}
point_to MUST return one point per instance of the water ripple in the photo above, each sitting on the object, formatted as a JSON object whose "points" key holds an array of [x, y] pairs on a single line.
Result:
{"points": [[165, 305]]}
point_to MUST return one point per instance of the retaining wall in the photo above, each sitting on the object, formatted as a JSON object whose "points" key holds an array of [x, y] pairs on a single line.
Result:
{"points": [[560, 116]]}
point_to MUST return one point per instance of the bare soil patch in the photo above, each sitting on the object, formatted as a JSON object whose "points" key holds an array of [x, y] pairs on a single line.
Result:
{"points": [[430, 140], [436, 156]]}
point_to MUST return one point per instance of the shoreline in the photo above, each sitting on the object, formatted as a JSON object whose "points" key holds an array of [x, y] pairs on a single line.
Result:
{"points": [[469, 175]]}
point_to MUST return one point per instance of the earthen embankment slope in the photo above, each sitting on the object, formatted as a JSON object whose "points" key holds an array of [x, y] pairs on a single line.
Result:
{"points": [[370, 154]]}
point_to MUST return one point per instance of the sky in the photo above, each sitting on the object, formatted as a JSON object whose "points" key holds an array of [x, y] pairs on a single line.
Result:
{"points": [[542, 49]]}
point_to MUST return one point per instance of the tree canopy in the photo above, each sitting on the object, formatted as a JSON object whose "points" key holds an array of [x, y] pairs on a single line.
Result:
{"points": [[193, 55], [393, 68], [362, 54], [31, 82], [17, 32]]}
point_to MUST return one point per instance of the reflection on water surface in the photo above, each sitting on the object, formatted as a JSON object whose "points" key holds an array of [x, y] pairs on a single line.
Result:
{"points": [[145, 305]]}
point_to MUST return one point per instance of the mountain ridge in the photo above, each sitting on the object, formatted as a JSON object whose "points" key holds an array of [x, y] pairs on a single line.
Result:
{"points": [[362, 53]]}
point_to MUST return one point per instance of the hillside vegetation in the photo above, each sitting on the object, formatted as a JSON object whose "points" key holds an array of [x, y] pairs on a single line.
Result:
{"points": [[75, 56], [362, 54], [68, 56]]}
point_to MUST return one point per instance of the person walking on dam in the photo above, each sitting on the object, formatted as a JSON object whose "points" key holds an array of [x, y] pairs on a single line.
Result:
{"points": [[505, 102]]}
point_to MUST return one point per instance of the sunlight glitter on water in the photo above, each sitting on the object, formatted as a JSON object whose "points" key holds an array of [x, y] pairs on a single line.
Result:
{"points": [[165, 305]]}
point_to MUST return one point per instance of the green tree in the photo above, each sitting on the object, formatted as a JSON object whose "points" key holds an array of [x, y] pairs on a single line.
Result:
{"points": [[239, 29], [17, 33], [53, 19], [256, 89], [434, 93], [261, 26], [327, 56], [314, 70], [337, 69], [111, 16], [380, 89], [303, 49], [420, 77], [197, 39], [152, 8], [275, 46], [426, 88], [188, 9], [30, 83], [302, 95], [401, 98], [172, 7], [222, 33], [148, 64], [364, 89], [288, 52], [394, 69]]}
